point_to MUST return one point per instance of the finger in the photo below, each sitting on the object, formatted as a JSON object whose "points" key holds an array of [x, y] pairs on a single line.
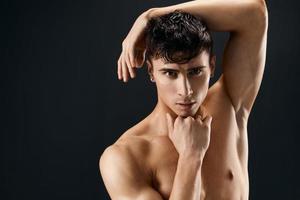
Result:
{"points": [[131, 71], [170, 123], [207, 120], [192, 118], [131, 57], [129, 66], [179, 120], [188, 119], [127, 50], [119, 69], [140, 58], [127, 59], [124, 70], [199, 118]]}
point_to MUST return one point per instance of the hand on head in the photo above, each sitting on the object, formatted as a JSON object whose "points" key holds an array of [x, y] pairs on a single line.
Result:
{"points": [[133, 50]]}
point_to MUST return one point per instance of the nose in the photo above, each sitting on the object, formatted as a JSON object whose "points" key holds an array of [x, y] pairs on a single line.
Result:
{"points": [[184, 87]]}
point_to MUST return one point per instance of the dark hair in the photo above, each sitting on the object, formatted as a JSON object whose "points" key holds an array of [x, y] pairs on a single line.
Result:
{"points": [[177, 37]]}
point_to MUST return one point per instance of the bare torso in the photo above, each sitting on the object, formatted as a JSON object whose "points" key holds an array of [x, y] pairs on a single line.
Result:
{"points": [[224, 169]]}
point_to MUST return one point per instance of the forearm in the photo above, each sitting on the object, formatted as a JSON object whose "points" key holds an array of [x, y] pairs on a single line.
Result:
{"points": [[220, 15], [187, 180]]}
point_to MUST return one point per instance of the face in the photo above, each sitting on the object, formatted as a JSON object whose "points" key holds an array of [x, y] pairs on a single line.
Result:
{"points": [[182, 88]]}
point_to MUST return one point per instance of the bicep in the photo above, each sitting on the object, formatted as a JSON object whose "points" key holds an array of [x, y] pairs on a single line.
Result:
{"points": [[123, 179], [243, 66]]}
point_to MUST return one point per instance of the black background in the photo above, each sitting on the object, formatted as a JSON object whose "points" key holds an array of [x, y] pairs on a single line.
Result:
{"points": [[62, 105]]}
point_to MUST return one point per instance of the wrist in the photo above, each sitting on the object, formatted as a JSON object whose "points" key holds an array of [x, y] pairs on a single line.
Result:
{"points": [[150, 13], [192, 157], [156, 12]]}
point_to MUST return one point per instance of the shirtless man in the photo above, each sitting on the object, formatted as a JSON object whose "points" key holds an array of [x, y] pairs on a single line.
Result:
{"points": [[194, 143]]}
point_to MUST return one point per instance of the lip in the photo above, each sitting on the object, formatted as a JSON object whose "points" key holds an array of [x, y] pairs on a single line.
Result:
{"points": [[185, 105], [186, 102]]}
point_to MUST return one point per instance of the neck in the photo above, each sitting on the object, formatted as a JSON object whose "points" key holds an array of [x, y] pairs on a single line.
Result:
{"points": [[157, 119]]}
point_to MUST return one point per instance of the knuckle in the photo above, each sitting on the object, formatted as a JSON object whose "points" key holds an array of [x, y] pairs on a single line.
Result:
{"points": [[206, 125], [127, 59], [188, 118], [177, 119]]}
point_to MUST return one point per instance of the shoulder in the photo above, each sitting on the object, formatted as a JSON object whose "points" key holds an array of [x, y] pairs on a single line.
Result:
{"points": [[114, 160], [128, 150], [123, 171], [114, 153], [127, 155]]}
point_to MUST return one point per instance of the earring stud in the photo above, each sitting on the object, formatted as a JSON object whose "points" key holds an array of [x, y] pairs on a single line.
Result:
{"points": [[151, 79]]}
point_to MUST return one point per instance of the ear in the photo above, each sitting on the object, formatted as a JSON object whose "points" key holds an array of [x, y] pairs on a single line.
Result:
{"points": [[150, 67], [150, 70], [212, 65]]}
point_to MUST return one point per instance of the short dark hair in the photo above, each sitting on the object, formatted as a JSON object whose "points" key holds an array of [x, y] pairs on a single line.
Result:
{"points": [[177, 37]]}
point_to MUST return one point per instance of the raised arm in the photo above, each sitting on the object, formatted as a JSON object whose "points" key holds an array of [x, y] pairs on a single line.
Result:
{"points": [[244, 56]]}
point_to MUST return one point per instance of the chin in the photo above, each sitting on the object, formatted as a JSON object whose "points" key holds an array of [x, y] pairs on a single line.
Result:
{"points": [[184, 114]]}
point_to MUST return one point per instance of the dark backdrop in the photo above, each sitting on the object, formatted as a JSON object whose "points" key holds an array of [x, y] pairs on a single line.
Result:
{"points": [[61, 102]]}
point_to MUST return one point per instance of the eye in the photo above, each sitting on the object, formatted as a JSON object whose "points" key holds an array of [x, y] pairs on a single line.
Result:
{"points": [[171, 74], [195, 71]]}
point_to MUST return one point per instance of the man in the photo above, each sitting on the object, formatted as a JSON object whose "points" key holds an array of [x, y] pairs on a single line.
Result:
{"points": [[194, 143]]}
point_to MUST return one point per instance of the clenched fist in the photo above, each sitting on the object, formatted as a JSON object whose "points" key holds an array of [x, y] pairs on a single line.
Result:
{"points": [[190, 135]]}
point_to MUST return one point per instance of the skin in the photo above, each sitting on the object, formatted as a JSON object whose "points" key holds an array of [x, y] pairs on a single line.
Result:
{"points": [[181, 83], [199, 151]]}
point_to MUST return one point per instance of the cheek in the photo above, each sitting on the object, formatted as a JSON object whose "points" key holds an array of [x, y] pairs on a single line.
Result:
{"points": [[200, 86], [201, 83], [166, 87], [163, 80]]}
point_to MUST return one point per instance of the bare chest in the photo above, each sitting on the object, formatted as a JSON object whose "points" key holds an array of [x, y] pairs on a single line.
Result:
{"points": [[224, 170]]}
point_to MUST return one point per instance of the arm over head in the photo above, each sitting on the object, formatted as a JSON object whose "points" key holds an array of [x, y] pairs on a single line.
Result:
{"points": [[244, 60], [245, 53]]}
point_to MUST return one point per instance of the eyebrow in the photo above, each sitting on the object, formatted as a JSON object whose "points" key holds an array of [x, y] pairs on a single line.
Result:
{"points": [[172, 69]]}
